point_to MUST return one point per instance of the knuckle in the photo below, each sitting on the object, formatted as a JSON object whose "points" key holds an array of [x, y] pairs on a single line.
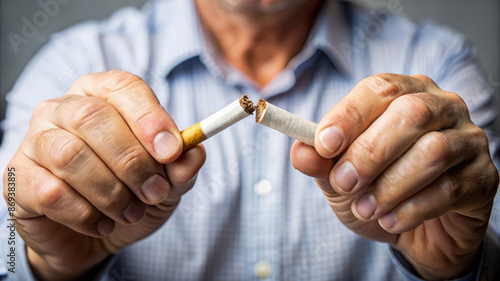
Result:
{"points": [[382, 85], [85, 77], [146, 112], [450, 189], [495, 177], [436, 148], [392, 181], [85, 215], [41, 109], [51, 192], [458, 103], [182, 177], [65, 152], [370, 152], [480, 136], [485, 181], [491, 177], [414, 207], [133, 159], [115, 80], [480, 133], [416, 113], [352, 112], [115, 199], [425, 79], [493, 172], [91, 112], [478, 142]]}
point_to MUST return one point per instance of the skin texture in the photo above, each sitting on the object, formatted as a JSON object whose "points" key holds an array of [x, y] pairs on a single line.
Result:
{"points": [[418, 160], [259, 7], [258, 42], [81, 190]]}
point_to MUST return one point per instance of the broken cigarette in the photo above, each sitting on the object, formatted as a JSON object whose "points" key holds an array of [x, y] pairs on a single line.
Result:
{"points": [[285, 122], [215, 123]]}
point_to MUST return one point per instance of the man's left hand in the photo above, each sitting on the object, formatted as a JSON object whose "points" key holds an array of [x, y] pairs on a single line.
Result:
{"points": [[400, 161]]}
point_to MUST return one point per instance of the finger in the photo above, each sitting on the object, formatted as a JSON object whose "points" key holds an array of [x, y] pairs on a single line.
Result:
{"points": [[432, 155], [362, 106], [455, 190], [139, 107], [104, 131], [387, 138], [72, 160], [307, 160], [50, 196], [182, 172]]}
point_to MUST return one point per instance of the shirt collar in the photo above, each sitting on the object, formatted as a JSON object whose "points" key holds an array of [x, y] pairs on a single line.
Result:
{"points": [[331, 34], [181, 37]]}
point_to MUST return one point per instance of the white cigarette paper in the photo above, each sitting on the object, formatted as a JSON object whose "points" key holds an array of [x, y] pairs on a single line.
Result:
{"points": [[223, 119], [285, 122], [215, 123]]}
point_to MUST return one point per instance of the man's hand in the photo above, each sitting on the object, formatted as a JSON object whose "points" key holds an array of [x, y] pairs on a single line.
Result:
{"points": [[400, 161], [100, 168]]}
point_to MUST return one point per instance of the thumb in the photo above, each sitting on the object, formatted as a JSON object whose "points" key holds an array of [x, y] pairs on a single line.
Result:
{"points": [[138, 106], [307, 160]]}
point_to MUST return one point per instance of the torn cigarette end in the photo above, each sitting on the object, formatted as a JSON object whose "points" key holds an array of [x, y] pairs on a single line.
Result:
{"points": [[247, 105], [215, 123], [285, 122], [260, 109]]}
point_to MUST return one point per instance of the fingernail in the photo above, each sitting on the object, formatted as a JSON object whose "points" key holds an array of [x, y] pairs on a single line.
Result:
{"points": [[345, 176], [105, 226], [331, 138], [155, 189], [135, 212], [166, 144], [366, 206], [388, 220]]}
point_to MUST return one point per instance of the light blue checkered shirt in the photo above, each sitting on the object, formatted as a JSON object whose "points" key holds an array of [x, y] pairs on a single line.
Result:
{"points": [[250, 214]]}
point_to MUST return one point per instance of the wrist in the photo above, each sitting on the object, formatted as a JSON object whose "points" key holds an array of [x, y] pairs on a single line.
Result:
{"points": [[42, 270], [466, 267]]}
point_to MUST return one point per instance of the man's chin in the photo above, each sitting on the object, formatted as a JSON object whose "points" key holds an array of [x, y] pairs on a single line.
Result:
{"points": [[260, 6]]}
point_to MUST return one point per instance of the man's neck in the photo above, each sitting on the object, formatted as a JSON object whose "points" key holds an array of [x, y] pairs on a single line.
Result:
{"points": [[258, 44]]}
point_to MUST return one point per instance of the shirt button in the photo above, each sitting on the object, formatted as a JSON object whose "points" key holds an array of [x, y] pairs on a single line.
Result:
{"points": [[263, 188], [262, 269]]}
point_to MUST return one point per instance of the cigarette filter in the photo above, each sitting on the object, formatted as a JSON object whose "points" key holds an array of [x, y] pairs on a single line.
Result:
{"points": [[215, 123]]}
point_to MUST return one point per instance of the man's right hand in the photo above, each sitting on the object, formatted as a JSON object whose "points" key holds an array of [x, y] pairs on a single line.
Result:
{"points": [[99, 169]]}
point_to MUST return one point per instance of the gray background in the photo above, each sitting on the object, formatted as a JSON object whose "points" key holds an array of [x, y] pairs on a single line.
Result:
{"points": [[479, 20]]}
